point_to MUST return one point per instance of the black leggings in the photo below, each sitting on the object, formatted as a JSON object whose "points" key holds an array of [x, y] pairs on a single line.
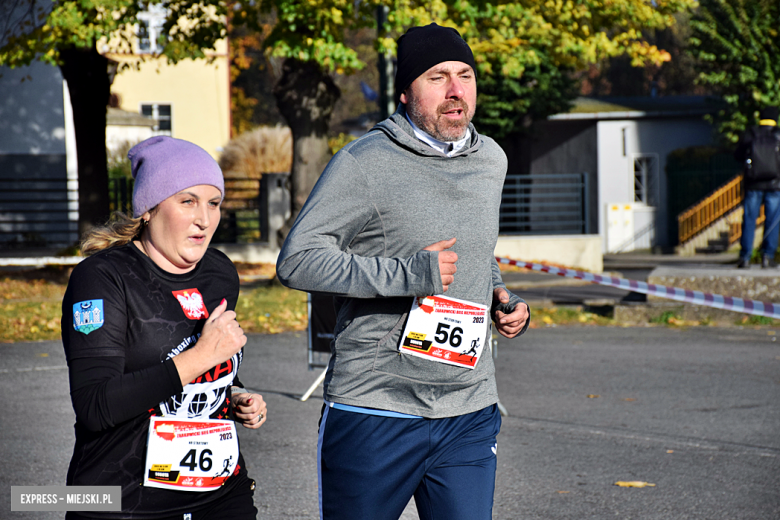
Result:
{"points": [[239, 505]]}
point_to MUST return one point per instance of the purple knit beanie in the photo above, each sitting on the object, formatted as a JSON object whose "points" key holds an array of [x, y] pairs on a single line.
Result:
{"points": [[163, 166]]}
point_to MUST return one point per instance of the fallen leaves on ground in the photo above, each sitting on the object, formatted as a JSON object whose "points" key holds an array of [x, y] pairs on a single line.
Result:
{"points": [[758, 320], [554, 316], [682, 323], [29, 321], [633, 484], [30, 309], [12, 289], [272, 309]]}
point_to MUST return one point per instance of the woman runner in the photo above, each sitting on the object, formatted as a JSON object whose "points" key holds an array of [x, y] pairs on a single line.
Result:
{"points": [[153, 349]]}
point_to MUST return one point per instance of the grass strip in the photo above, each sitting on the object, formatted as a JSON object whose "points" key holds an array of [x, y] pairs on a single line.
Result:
{"points": [[30, 309]]}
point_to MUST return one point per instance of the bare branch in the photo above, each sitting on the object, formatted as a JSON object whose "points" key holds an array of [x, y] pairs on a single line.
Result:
{"points": [[18, 17]]}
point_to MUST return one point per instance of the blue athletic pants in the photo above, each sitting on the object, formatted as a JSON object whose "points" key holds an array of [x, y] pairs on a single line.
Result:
{"points": [[753, 201], [370, 466]]}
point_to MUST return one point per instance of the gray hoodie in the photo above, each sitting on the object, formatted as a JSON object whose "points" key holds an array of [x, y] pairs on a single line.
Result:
{"points": [[360, 235]]}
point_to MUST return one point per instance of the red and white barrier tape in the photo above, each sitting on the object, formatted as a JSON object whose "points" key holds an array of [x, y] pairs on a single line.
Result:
{"points": [[770, 310]]}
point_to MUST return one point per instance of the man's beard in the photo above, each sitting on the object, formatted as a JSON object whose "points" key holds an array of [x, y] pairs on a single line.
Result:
{"points": [[436, 125]]}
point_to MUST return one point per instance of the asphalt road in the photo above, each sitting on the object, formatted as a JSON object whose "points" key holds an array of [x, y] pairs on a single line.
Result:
{"points": [[694, 412], [543, 288]]}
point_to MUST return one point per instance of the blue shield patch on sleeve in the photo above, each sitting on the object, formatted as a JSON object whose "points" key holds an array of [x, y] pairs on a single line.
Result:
{"points": [[88, 315]]}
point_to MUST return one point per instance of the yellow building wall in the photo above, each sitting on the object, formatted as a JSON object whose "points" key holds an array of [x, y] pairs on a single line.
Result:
{"points": [[198, 92]]}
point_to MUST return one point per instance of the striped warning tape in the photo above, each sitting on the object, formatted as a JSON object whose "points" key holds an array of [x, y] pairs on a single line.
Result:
{"points": [[770, 310]]}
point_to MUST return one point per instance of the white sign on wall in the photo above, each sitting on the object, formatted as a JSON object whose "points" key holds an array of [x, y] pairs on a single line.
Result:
{"points": [[630, 227], [620, 224]]}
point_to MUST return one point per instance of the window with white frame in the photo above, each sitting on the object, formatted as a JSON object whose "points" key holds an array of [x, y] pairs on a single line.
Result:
{"points": [[162, 115], [646, 182]]}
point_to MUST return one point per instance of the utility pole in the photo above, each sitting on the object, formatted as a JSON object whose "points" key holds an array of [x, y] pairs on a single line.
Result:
{"points": [[386, 73]]}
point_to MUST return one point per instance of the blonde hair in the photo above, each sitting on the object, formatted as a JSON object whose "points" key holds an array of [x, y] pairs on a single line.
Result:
{"points": [[118, 231]]}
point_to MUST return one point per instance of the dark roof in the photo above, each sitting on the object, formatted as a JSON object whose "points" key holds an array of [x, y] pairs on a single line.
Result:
{"points": [[639, 107], [119, 117]]}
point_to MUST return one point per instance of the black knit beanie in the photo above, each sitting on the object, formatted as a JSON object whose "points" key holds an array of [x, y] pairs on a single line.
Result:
{"points": [[420, 48]]}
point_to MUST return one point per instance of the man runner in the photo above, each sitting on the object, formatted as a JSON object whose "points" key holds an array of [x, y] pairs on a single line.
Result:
{"points": [[401, 229]]}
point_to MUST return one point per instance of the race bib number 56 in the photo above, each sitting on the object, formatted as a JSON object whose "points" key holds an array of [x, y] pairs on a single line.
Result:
{"points": [[446, 330], [190, 455]]}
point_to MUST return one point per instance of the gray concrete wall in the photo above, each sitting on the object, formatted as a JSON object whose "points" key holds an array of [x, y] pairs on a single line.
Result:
{"points": [[574, 251]]}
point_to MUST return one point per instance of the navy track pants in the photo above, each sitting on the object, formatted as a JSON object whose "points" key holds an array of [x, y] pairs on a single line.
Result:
{"points": [[370, 466]]}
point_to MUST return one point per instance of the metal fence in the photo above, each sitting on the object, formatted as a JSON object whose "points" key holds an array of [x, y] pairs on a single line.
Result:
{"points": [[545, 204], [688, 189], [37, 212], [241, 213], [120, 195], [541, 204], [531, 204]]}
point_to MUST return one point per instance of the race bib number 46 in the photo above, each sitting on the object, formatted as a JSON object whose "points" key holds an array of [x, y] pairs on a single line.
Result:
{"points": [[446, 330], [190, 455]]}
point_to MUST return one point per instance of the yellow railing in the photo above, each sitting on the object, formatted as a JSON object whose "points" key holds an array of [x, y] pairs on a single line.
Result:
{"points": [[720, 202], [735, 228]]}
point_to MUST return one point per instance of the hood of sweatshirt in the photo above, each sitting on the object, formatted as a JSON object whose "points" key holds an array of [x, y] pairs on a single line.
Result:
{"points": [[397, 128]]}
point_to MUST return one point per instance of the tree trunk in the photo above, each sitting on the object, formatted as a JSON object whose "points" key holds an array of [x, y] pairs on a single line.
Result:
{"points": [[305, 95], [87, 74]]}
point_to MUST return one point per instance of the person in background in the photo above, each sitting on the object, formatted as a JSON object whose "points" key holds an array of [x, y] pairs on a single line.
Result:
{"points": [[759, 150], [153, 349], [401, 229]]}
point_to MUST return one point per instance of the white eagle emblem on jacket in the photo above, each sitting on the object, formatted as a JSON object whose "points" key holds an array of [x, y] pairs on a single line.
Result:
{"points": [[192, 304]]}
